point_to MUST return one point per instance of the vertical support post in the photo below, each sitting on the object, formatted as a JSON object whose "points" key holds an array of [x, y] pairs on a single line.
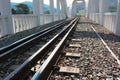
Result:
{"points": [[94, 8], [103, 7], [89, 8], [37, 10], [52, 9], [73, 9], [86, 9], [117, 25], [42, 11], [64, 7], [58, 9], [5, 12]]}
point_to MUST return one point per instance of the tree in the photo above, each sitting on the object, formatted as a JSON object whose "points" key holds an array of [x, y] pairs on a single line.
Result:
{"points": [[13, 11], [47, 12], [22, 9]]}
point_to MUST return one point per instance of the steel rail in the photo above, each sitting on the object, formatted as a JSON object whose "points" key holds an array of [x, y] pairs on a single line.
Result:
{"points": [[45, 70], [8, 47], [27, 44], [31, 61]]}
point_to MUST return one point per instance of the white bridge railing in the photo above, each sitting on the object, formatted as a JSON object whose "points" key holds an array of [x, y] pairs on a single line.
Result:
{"points": [[109, 20], [24, 22]]}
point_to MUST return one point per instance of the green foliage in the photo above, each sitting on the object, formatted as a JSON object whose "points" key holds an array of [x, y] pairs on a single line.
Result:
{"points": [[47, 12], [113, 8], [21, 9], [13, 11]]}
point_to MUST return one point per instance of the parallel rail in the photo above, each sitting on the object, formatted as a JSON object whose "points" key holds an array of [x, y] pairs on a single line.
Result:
{"points": [[46, 68], [31, 61], [25, 43], [6, 48]]}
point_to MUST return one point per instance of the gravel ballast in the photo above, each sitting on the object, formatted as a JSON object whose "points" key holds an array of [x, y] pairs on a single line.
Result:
{"points": [[95, 62]]}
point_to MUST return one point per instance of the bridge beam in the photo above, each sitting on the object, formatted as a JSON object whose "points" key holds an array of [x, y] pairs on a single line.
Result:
{"points": [[74, 10], [92, 7], [103, 8], [38, 11], [86, 9], [64, 8], [58, 9], [5, 13], [117, 26], [52, 9]]}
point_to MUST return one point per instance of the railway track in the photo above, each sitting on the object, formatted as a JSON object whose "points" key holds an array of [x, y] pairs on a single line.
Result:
{"points": [[35, 57], [27, 42], [75, 53], [83, 57]]}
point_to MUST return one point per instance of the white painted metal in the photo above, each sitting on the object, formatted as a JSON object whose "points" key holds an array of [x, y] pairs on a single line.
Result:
{"points": [[24, 22], [58, 8], [109, 21], [52, 9], [6, 25], [117, 26], [74, 11], [37, 10], [64, 8], [103, 8], [95, 9], [86, 8]]}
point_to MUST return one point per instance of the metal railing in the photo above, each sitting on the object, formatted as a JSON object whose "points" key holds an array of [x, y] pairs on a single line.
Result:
{"points": [[25, 22], [109, 20]]}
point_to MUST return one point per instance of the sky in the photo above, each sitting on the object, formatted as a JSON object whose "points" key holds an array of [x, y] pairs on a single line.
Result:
{"points": [[45, 1]]}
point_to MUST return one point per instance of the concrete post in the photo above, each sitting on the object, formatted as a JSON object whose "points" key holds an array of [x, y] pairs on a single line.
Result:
{"points": [[117, 26], [52, 9], [7, 23], [58, 9], [38, 9], [103, 7]]}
